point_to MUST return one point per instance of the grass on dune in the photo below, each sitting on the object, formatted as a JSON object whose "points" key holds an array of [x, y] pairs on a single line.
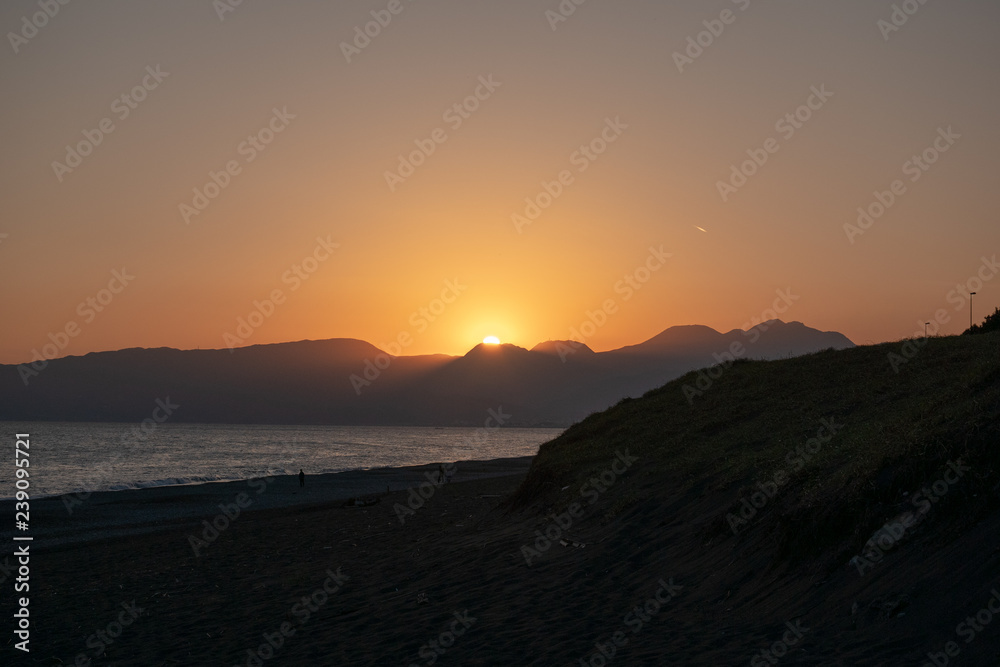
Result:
{"points": [[898, 430]]}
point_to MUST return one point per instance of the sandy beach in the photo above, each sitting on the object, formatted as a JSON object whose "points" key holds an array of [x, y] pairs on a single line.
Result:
{"points": [[76, 518], [298, 578], [145, 562]]}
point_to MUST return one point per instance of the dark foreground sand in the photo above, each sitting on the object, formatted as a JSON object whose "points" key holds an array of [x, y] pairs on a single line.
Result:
{"points": [[450, 585]]}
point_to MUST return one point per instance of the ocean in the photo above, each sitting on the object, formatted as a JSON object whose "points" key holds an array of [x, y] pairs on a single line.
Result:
{"points": [[68, 457]]}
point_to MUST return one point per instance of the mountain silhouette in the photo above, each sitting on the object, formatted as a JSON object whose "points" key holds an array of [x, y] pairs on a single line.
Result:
{"points": [[562, 347], [348, 381]]}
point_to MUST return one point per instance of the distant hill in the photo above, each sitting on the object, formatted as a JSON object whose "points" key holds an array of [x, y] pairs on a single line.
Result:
{"points": [[769, 340], [347, 381], [853, 492], [562, 347]]}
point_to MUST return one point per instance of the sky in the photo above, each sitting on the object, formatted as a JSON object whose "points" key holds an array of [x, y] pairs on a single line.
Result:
{"points": [[421, 174]]}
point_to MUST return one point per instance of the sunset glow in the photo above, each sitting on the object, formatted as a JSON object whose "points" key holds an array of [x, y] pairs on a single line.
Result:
{"points": [[377, 201], [500, 317]]}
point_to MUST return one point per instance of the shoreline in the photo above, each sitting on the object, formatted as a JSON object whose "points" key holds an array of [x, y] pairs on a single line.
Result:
{"points": [[73, 519]]}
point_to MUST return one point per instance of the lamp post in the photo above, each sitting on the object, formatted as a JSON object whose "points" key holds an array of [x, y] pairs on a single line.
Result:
{"points": [[971, 294]]}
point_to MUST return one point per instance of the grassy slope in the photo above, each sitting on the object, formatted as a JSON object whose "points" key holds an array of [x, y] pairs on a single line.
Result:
{"points": [[899, 431]]}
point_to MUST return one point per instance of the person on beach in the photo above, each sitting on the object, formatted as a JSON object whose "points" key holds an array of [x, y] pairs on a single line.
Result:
{"points": [[440, 473], [302, 477]]}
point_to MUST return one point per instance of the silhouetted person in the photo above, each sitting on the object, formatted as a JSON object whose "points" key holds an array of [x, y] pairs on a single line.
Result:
{"points": [[440, 474], [302, 478]]}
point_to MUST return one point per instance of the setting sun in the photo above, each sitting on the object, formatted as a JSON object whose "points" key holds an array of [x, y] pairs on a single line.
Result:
{"points": [[491, 340]]}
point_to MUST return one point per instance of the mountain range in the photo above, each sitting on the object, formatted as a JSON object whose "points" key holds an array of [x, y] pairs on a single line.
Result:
{"points": [[348, 381]]}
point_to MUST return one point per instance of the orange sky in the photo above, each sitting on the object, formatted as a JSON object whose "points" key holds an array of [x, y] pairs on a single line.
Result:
{"points": [[663, 132]]}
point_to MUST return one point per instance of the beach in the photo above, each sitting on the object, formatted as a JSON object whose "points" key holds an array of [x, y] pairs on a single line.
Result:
{"points": [[300, 577], [146, 563], [81, 517]]}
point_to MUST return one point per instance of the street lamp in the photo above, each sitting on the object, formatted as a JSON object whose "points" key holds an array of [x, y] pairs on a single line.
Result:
{"points": [[971, 294]]}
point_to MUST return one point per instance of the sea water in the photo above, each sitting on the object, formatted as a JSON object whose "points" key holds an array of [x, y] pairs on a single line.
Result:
{"points": [[66, 456]]}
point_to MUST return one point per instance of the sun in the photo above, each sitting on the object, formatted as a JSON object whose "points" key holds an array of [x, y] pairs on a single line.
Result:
{"points": [[491, 340]]}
